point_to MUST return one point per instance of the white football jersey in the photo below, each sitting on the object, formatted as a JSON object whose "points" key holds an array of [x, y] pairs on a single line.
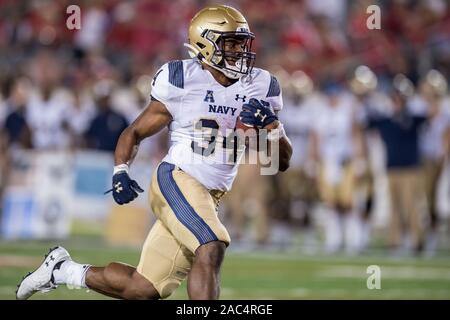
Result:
{"points": [[298, 119], [334, 128], [46, 119], [204, 113], [431, 141]]}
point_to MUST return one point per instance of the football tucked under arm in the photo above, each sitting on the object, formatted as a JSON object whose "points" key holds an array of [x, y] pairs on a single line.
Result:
{"points": [[258, 115]]}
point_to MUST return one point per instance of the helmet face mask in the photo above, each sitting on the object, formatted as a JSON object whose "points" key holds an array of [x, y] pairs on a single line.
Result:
{"points": [[214, 34], [233, 63]]}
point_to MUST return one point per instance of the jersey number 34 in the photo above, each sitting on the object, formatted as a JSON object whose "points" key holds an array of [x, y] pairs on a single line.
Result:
{"points": [[209, 129]]}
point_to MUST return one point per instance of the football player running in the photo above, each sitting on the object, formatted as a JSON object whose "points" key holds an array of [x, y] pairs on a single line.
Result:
{"points": [[199, 99]]}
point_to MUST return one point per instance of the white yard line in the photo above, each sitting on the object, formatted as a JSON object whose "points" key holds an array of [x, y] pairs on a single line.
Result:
{"points": [[419, 262], [387, 272]]}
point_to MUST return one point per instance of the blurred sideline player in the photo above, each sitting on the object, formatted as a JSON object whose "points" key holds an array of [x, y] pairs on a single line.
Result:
{"points": [[399, 127], [248, 209], [334, 140], [434, 146], [363, 84], [248, 206], [194, 97], [297, 188]]}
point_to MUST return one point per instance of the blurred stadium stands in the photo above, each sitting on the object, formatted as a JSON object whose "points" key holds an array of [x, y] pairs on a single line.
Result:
{"points": [[58, 86]]}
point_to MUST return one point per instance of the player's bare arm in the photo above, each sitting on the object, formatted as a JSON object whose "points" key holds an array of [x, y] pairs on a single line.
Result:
{"points": [[153, 119], [150, 121]]}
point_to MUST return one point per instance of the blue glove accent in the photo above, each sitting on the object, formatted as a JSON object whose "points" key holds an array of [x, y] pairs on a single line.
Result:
{"points": [[257, 113], [124, 189]]}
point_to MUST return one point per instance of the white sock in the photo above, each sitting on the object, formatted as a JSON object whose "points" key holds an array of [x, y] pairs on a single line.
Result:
{"points": [[365, 234], [333, 231], [71, 273], [353, 232]]}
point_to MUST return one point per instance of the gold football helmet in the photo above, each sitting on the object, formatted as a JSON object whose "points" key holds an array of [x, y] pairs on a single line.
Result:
{"points": [[403, 86], [301, 83], [210, 29], [434, 83], [363, 80]]}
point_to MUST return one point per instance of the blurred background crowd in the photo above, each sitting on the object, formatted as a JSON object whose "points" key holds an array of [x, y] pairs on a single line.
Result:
{"points": [[368, 111]]}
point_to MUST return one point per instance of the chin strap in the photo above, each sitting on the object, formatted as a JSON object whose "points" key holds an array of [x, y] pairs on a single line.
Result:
{"points": [[236, 74], [193, 52]]}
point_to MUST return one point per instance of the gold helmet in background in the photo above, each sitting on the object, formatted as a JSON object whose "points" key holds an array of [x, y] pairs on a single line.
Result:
{"points": [[301, 83], [434, 83], [208, 31], [363, 80], [403, 85]]}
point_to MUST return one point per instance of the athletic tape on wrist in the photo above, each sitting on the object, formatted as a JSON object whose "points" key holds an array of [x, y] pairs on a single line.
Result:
{"points": [[121, 167]]}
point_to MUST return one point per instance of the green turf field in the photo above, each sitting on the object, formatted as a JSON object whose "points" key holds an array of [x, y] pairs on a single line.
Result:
{"points": [[256, 275]]}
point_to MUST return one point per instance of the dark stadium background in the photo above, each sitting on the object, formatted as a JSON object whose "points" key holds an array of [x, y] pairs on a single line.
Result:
{"points": [[51, 186]]}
